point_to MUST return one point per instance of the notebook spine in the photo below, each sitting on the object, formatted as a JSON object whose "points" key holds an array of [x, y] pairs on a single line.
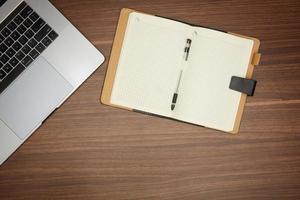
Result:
{"points": [[196, 25]]}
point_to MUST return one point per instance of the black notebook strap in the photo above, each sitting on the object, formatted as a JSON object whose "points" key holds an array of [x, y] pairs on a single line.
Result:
{"points": [[243, 85]]}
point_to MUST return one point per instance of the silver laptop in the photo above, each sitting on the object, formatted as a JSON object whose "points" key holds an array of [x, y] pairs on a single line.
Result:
{"points": [[43, 60]]}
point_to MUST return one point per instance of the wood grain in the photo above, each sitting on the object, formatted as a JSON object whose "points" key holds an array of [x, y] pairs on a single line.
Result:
{"points": [[86, 150]]}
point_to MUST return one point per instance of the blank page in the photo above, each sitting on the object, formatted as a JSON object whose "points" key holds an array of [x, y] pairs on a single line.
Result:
{"points": [[205, 95], [149, 63]]}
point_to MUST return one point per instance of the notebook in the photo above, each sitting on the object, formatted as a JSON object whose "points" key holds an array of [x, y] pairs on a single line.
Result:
{"points": [[179, 71]]}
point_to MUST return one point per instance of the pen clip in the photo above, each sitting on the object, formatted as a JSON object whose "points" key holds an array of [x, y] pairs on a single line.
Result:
{"points": [[187, 48]]}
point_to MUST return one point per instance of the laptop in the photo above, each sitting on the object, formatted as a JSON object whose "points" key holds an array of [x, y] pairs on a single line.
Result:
{"points": [[43, 60]]}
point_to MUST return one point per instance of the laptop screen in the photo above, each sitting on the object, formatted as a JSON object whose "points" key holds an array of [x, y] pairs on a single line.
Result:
{"points": [[2, 2]]}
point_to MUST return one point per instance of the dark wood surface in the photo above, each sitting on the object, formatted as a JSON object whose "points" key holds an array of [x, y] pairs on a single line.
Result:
{"points": [[86, 150]]}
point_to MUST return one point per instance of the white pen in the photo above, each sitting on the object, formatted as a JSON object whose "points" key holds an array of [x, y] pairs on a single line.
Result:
{"points": [[186, 55], [175, 95]]}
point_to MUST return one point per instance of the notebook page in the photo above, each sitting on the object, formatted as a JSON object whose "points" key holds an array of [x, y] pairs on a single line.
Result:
{"points": [[205, 95], [148, 65]]}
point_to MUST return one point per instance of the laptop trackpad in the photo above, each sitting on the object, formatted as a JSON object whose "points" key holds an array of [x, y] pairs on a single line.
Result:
{"points": [[37, 92]]}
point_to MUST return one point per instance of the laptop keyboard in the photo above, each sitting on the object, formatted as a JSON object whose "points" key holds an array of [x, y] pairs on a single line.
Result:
{"points": [[24, 35]]}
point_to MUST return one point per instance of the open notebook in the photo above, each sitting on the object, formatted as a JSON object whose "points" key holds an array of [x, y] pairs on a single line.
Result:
{"points": [[155, 58]]}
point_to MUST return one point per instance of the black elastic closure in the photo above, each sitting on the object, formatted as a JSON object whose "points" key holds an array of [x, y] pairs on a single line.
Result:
{"points": [[243, 85]]}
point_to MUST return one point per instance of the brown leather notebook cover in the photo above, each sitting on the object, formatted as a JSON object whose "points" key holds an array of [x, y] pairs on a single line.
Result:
{"points": [[115, 55]]}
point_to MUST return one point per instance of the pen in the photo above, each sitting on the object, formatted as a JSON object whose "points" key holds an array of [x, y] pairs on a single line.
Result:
{"points": [[186, 54], [175, 95]]}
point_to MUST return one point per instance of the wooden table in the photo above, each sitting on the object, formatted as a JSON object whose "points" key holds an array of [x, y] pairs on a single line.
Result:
{"points": [[86, 150]]}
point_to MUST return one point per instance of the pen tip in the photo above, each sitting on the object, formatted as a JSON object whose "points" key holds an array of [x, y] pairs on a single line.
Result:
{"points": [[172, 107]]}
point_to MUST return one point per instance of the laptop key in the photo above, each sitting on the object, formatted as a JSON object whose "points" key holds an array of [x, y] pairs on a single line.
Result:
{"points": [[12, 26], [34, 54], [23, 40], [17, 46], [1, 38], [7, 68], [27, 61], [27, 22], [34, 16], [10, 52], [2, 74], [20, 55], [29, 34], [26, 49], [32, 43], [5, 32], [11, 77], [21, 29], [42, 33], [8, 41], [46, 41], [37, 25], [26, 12], [3, 48], [13, 62], [40, 47], [15, 35], [53, 35], [4, 58], [18, 19]]}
